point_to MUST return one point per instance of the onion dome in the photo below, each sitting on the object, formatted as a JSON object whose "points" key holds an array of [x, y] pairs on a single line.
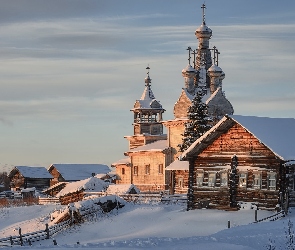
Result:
{"points": [[215, 68], [189, 74]]}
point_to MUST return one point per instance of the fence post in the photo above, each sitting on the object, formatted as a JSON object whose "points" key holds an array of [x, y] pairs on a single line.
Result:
{"points": [[47, 231], [20, 236], [228, 224], [255, 215], [11, 241]]}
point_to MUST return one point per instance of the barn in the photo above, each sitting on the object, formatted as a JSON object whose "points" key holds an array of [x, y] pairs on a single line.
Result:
{"points": [[28, 177], [75, 172], [243, 159]]}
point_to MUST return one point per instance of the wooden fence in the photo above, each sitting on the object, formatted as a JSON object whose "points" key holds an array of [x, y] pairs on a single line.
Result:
{"points": [[44, 201], [147, 198], [273, 217], [28, 238]]}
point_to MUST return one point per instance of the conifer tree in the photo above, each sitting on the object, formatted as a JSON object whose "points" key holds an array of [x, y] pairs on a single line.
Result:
{"points": [[199, 122]]}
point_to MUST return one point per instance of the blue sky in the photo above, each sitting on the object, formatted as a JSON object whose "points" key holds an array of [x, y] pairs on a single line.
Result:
{"points": [[70, 71]]}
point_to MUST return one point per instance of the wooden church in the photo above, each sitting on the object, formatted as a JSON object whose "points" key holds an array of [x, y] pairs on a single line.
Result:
{"points": [[151, 152]]}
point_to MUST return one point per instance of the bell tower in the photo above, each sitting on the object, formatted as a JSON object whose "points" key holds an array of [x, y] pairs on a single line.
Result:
{"points": [[147, 118]]}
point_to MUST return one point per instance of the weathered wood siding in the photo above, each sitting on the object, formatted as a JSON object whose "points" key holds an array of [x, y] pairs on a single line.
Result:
{"points": [[252, 155], [19, 182], [180, 178], [56, 176]]}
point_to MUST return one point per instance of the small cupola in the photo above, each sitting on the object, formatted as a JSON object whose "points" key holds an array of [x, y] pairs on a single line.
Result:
{"points": [[215, 73]]}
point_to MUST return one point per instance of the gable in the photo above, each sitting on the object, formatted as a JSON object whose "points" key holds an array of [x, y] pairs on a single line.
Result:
{"points": [[218, 104], [237, 141], [182, 104]]}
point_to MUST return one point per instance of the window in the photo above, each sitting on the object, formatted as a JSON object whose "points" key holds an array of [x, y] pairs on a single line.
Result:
{"points": [[257, 180], [223, 179], [123, 170], [147, 169], [135, 170], [211, 179], [180, 182], [200, 177], [243, 180], [160, 169], [271, 181]]}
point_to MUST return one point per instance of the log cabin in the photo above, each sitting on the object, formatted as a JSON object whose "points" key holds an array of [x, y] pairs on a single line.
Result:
{"points": [[243, 159], [28, 177]]}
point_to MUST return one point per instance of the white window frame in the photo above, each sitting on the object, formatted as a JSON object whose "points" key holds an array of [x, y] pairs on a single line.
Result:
{"points": [[271, 181], [243, 179], [199, 178], [211, 179], [223, 181], [257, 180]]}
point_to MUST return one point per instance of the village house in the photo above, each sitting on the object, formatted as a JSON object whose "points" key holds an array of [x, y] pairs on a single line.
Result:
{"points": [[243, 159], [22, 177]]}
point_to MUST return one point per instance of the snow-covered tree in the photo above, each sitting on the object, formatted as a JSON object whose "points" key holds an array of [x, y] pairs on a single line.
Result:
{"points": [[199, 122]]}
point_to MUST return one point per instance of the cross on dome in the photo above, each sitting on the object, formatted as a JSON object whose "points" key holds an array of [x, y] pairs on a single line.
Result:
{"points": [[204, 7]]}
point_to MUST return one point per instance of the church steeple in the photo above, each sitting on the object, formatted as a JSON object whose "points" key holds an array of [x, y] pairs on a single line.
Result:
{"points": [[203, 34], [148, 111]]}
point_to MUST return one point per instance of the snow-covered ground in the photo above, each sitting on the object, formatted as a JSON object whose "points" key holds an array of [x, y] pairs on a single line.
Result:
{"points": [[156, 226]]}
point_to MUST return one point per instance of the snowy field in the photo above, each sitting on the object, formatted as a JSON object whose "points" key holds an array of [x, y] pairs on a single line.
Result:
{"points": [[152, 226]]}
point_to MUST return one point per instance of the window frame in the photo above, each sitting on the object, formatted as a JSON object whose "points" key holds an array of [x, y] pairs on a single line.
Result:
{"points": [[244, 183], [222, 183], [269, 179], [147, 169], [258, 184], [199, 176], [161, 169], [180, 182], [211, 183], [135, 170]]}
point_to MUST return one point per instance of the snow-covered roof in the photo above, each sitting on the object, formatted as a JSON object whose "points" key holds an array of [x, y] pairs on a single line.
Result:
{"points": [[154, 146], [90, 184], [188, 68], [275, 133], [125, 161], [75, 172], [204, 28], [178, 165], [121, 189], [32, 172], [214, 68], [147, 94]]}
